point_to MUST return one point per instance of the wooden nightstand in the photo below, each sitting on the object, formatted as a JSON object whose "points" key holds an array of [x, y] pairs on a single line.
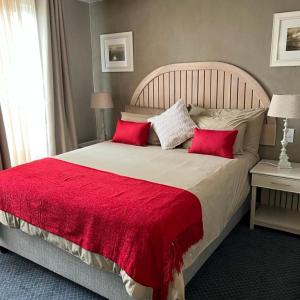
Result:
{"points": [[266, 175]]}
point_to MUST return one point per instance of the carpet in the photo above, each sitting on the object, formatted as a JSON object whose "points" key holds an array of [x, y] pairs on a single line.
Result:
{"points": [[261, 264]]}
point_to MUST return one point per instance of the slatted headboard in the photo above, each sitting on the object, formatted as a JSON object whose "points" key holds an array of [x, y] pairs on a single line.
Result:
{"points": [[206, 84]]}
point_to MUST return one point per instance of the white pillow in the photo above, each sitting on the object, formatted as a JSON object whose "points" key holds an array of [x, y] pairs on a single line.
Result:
{"points": [[233, 118], [174, 126]]}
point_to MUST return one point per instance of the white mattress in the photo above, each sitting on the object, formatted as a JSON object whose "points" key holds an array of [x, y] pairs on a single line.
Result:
{"points": [[221, 184]]}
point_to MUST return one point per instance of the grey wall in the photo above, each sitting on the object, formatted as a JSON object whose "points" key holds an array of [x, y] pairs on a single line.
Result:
{"points": [[77, 22], [169, 31]]}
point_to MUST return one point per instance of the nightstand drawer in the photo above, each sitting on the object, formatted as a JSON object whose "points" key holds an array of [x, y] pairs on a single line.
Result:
{"points": [[276, 183]]}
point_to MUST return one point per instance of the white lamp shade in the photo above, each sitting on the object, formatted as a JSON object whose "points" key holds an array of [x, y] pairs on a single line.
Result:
{"points": [[285, 106], [101, 100]]}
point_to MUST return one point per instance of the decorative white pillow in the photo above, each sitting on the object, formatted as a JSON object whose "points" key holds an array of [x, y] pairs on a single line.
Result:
{"points": [[174, 126]]}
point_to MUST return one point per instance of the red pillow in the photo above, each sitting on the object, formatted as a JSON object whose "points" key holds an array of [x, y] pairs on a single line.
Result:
{"points": [[213, 142], [133, 133]]}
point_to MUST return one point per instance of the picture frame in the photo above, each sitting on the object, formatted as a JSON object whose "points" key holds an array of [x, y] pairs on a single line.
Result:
{"points": [[117, 52], [285, 49]]}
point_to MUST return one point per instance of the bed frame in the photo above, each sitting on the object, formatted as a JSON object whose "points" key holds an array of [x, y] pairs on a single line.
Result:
{"points": [[208, 84]]}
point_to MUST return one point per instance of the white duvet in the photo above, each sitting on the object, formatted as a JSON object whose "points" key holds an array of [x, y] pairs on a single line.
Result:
{"points": [[221, 185]]}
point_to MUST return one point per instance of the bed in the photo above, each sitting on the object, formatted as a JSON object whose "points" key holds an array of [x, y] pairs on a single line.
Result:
{"points": [[207, 84]]}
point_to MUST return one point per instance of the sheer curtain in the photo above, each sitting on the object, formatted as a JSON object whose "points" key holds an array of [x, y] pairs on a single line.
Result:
{"points": [[23, 91]]}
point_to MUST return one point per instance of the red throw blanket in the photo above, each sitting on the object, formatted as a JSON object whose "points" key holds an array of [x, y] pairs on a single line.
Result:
{"points": [[142, 226]]}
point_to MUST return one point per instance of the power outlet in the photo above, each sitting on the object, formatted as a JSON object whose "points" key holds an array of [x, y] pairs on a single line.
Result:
{"points": [[290, 135]]}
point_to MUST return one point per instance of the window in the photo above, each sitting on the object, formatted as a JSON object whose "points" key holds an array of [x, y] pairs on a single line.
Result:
{"points": [[22, 88]]}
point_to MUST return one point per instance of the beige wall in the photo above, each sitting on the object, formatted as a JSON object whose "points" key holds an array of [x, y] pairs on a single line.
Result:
{"points": [[169, 31], [77, 23]]}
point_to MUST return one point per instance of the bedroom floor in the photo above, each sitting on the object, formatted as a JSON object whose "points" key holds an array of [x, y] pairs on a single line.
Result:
{"points": [[259, 264]]}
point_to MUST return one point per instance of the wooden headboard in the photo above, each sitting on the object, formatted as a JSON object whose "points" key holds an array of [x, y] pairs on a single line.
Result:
{"points": [[206, 84]]}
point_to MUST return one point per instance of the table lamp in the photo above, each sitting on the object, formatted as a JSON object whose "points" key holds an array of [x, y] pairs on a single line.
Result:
{"points": [[286, 107], [101, 101]]}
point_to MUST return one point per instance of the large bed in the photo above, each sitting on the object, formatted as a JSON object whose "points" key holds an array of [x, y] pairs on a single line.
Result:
{"points": [[221, 184]]}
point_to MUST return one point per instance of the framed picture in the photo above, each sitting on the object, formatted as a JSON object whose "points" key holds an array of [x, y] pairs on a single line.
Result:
{"points": [[117, 52], [285, 49]]}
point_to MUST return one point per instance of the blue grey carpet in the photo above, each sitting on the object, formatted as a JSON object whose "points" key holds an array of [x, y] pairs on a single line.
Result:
{"points": [[260, 264]]}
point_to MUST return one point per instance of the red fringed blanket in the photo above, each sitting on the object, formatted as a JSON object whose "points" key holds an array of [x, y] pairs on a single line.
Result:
{"points": [[142, 226]]}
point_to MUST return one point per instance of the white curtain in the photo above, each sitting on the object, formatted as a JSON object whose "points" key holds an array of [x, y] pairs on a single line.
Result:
{"points": [[42, 11], [24, 84]]}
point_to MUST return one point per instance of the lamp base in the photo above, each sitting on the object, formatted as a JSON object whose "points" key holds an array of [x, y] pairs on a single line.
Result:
{"points": [[284, 163], [283, 158], [100, 125]]}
